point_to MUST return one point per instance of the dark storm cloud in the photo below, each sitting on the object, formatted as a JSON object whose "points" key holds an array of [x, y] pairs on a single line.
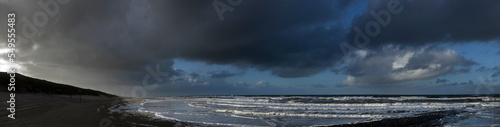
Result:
{"points": [[495, 71], [291, 38], [284, 37], [424, 21], [470, 82], [222, 74], [419, 24], [481, 69], [441, 80], [194, 75], [317, 85], [196, 84], [74, 34], [460, 70], [465, 83], [496, 74]]}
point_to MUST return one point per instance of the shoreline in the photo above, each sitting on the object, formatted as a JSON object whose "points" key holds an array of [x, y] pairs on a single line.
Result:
{"points": [[123, 118]]}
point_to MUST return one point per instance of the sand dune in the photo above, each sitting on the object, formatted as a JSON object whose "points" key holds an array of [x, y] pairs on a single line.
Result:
{"points": [[41, 103]]}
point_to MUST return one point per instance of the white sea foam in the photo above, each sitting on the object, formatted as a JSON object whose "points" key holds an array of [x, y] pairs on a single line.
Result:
{"points": [[304, 110]]}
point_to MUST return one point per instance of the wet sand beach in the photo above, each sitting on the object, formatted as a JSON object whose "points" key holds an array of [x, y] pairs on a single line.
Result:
{"points": [[42, 110]]}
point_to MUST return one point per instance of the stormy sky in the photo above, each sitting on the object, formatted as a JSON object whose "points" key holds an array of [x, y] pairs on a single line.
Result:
{"points": [[226, 47]]}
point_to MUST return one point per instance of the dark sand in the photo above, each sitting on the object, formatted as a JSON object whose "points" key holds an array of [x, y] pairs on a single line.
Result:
{"points": [[42, 110]]}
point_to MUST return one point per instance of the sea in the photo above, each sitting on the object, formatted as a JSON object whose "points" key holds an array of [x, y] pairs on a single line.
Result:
{"points": [[321, 110]]}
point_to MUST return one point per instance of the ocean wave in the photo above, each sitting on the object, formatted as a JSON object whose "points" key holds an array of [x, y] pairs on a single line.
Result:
{"points": [[291, 110]]}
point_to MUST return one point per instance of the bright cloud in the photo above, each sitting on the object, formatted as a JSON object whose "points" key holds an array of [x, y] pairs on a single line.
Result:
{"points": [[394, 65]]}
